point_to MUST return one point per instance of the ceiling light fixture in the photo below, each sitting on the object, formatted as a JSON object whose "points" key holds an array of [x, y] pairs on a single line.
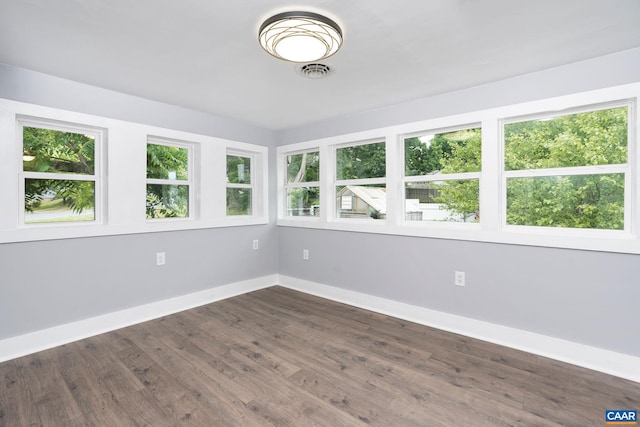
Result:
{"points": [[300, 36]]}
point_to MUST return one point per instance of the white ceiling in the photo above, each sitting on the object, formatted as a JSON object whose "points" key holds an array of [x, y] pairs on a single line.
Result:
{"points": [[204, 55]]}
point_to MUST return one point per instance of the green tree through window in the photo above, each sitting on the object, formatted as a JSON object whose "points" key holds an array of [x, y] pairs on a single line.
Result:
{"points": [[50, 156], [167, 181], [434, 156], [361, 161], [586, 200], [239, 185], [303, 168]]}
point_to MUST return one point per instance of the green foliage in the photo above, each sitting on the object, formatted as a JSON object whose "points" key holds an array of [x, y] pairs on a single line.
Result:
{"points": [[451, 152], [58, 152], [239, 169], [583, 139], [239, 172], [167, 201], [448, 153], [52, 151], [302, 201], [167, 162], [461, 197], [583, 201], [304, 167], [465, 152], [238, 201], [361, 161]]}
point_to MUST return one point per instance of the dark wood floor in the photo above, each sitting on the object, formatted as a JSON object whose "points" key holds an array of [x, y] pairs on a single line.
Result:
{"points": [[279, 357]]}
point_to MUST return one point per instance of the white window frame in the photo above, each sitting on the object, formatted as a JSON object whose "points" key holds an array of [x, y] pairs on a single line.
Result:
{"points": [[293, 185], [251, 186], [190, 147], [333, 214], [573, 170], [97, 177], [120, 194], [492, 226], [463, 176]]}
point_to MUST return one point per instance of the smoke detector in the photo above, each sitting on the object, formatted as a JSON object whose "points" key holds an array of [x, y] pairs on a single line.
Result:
{"points": [[315, 71]]}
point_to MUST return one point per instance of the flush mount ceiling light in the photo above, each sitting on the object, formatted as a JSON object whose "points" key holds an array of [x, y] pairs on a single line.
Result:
{"points": [[300, 36]]}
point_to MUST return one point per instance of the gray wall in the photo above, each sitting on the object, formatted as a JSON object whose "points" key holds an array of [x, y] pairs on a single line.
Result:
{"points": [[587, 297], [611, 70], [42, 89], [582, 296], [48, 283]]}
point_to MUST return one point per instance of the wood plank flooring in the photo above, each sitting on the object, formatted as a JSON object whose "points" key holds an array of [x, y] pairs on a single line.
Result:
{"points": [[283, 358]]}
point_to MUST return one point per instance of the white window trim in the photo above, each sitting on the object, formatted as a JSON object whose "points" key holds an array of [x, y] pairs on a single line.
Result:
{"points": [[492, 226], [100, 138], [193, 189], [258, 185], [461, 176], [332, 214], [605, 169], [123, 187], [283, 190]]}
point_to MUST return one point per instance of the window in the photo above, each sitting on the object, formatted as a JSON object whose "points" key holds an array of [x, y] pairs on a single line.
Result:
{"points": [[302, 187], [442, 176], [558, 172], [360, 185], [60, 172], [56, 185], [568, 170], [240, 187], [169, 180]]}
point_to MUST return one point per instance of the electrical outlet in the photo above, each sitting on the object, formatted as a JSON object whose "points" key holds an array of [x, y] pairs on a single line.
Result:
{"points": [[305, 254], [459, 278], [160, 258], [255, 245]]}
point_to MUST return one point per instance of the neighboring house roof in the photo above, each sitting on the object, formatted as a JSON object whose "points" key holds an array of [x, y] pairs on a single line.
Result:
{"points": [[376, 197]]}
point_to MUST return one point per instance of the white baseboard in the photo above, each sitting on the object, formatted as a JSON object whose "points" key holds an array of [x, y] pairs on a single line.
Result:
{"points": [[621, 365], [21, 345], [609, 362]]}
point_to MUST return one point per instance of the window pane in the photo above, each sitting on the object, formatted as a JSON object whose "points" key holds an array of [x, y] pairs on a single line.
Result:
{"points": [[441, 153], [239, 201], [167, 201], [449, 201], [361, 161], [583, 139], [303, 201], [53, 200], [304, 167], [238, 170], [361, 201], [52, 151], [583, 201], [167, 162]]}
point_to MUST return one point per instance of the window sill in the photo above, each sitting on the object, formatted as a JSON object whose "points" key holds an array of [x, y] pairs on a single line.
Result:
{"points": [[99, 230], [620, 242]]}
